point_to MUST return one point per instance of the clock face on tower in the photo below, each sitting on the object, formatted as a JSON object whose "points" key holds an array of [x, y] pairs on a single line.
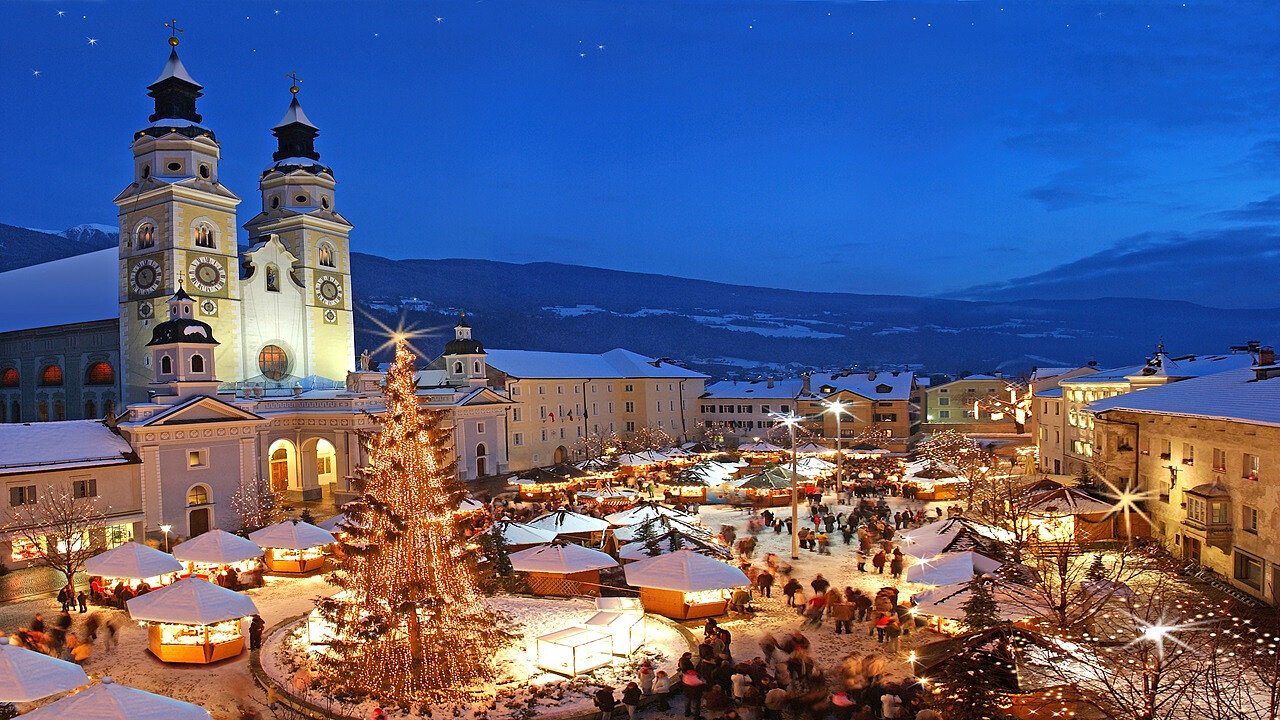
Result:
{"points": [[207, 274], [328, 290], [145, 276]]}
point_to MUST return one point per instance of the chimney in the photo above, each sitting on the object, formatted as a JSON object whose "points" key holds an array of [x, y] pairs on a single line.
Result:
{"points": [[1266, 366], [769, 382], [871, 375], [1267, 355], [804, 385]]}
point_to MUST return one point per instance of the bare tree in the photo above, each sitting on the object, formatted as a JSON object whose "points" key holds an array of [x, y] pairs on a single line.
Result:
{"points": [[257, 504], [60, 526], [648, 438], [597, 445], [963, 455]]}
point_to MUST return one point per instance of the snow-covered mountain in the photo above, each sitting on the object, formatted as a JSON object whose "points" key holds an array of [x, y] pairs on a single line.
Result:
{"points": [[20, 247]]}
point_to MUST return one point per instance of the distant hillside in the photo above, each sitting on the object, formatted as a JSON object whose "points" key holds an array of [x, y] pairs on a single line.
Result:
{"points": [[20, 247], [733, 330], [737, 330]]}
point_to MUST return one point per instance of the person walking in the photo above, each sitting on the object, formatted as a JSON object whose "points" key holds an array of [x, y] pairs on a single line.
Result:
{"points": [[694, 687], [824, 544], [896, 564], [842, 613], [764, 581], [82, 599], [878, 562], [892, 631], [605, 702], [790, 589], [256, 626], [65, 598], [662, 689], [631, 699]]}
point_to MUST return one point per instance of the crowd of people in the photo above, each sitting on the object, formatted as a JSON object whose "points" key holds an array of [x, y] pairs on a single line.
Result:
{"points": [[65, 639]]}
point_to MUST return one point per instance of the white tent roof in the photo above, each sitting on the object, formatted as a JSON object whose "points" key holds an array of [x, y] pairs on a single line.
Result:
{"points": [[947, 601], [191, 601], [639, 551], [469, 505], [684, 570], [332, 523], [759, 447], [517, 533], [634, 460], [567, 521], [684, 523], [641, 513], [132, 560], [952, 568], [217, 547], [813, 448], [109, 701], [291, 535], [560, 558], [26, 675], [929, 540]]}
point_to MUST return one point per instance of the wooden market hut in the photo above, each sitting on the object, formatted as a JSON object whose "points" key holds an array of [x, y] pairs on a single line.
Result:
{"points": [[685, 585], [540, 484], [210, 552], [770, 487], [1069, 515], [660, 526], [673, 540], [935, 489], [193, 621], [562, 568], [572, 526], [133, 564], [690, 485], [293, 546], [645, 511]]}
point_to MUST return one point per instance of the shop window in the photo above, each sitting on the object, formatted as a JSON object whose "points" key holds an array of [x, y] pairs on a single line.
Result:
{"points": [[1248, 570], [25, 549], [117, 535]]}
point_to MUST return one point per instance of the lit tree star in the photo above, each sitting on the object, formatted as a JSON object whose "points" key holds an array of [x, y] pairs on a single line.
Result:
{"points": [[92, 41]]}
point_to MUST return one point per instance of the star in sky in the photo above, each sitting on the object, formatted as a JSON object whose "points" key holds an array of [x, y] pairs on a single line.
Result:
{"points": [[439, 19], [277, 12], [62, 13], [582, 54], [35, 73], [599, 47], [92, 41]]}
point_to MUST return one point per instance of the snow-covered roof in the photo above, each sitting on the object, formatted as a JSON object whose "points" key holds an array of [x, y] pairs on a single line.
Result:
{"points": [[35, 447], [26, 675], [1232, 395], [517, 533], [217, 547], [685, 571], [1053, 392], [133, 561], [1188, 366], [639, 550], [786, 389], [295, 115], [292, 535], [173, 68], [560, 558], [947, 601], [760, 447], [109, 701], [77, 289], [567, 521], [661, 526], [645, 512], [876, 386], [191, 601], [616, 364], [951, 568]]}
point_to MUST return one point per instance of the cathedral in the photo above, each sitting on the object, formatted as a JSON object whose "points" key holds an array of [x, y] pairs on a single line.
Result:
{"points": [[281, 309]]}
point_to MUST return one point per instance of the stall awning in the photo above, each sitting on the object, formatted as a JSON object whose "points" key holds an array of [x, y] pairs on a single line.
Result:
{"points": [[566, 521], [560, 558], [516, 533], [191, 601], [109, 701], [26, 675], [292, 535], [643, 513], [217, 547], [685, 571], [133, 561]]}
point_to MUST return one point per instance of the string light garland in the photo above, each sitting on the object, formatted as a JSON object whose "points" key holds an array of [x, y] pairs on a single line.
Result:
{"points": [[410, 626]]}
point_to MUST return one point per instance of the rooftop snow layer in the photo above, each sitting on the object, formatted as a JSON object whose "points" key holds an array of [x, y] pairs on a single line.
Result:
{"points": [[1230, 395], [77, 289], [69, 443], [616, 363]]}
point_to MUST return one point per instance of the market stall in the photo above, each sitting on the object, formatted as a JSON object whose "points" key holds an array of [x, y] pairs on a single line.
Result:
{"points": [[936, 483], [661, 526], [569, 525], [943, 606], [573, 651], [1068, 515], [540, 484], [761, 448], [193, 621], [691, 484], [125, 570], [212, 554], [684, 585], [813, 448], [26, 675], [519, 536], [293, 546], [644, 512], [953, 534], [626, 629], [951, 568], [608, 498], [770, 487], [109, 701], [561, 568], [673, 541]]}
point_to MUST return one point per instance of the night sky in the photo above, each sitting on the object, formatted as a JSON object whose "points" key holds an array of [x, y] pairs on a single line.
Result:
{"points": [[864, 147]]}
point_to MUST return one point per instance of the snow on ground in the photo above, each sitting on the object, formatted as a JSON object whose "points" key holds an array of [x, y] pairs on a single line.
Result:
{"points": [[222, 687], [285, 658]]}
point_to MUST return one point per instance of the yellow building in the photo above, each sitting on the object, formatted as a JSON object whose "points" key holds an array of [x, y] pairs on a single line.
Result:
{"points": [[968, 404], [1202, 452]]}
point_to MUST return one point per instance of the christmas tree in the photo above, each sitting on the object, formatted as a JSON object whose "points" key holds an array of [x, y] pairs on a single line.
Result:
{"points": [[409, 624], [980, 609]]}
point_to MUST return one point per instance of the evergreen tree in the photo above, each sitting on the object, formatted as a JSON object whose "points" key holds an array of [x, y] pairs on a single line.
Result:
{"points": [[499, 551], [980, 609], [675, 540], [1097, 570], [647, 533], [409, 625]]}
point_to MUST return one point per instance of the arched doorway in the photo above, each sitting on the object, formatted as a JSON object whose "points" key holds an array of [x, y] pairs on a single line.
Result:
{"points": [[482, 460], [562, 455], [199, 514], [283, 462], [326, 462]]}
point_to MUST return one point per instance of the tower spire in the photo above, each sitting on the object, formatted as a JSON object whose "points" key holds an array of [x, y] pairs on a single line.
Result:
{"points": [[295, 133], [175, 91]]}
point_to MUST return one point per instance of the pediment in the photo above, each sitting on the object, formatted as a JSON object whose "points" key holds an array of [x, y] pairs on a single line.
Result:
{"points": [[202, 410]]}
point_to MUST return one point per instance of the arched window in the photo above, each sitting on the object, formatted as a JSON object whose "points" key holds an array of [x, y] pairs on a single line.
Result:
{"points": [[476, 367], [90, 409], [197, 363], [59, 409], [198, 495], [42, 411], [457, 368], [204, 236], [326, 255], [9, 378], [166, 365], [146, 236], [15, 411], [481, 450], [273, 362], [273, 278], [100, 373], [51, 376]]}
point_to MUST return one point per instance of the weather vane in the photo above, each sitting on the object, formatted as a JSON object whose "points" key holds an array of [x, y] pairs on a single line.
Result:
{"points": [[294, 77], [173, 31]]}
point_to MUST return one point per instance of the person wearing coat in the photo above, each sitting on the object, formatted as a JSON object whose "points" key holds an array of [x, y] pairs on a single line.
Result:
{"points": [[842, 613], [605, 702], [631, 699], [662, 689], [895, 565], [878, 562], [790, 589], [646, 678], [694, 687], [764, 581]]}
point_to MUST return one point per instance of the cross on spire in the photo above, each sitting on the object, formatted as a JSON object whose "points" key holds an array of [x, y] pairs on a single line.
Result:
{"points": [[173, 31], [294, 77]]}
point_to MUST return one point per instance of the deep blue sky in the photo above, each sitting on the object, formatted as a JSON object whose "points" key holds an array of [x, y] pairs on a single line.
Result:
{"points": [[867, 147]]}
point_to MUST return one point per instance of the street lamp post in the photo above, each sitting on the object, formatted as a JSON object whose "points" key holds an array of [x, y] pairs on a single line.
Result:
{"points": [[790, 421], [838, 407], [165, 529]]}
